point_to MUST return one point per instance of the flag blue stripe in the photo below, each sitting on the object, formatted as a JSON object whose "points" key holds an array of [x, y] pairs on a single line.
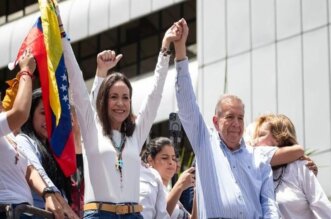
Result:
{"points": [[61, 132]]}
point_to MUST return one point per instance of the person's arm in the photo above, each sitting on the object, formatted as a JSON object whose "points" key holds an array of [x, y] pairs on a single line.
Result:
{"points": [[189, 112], [288, 154], [267, 196], [180, 44], [147, 198], [19, 113], [76, 132], [185, 181], [54, 202], [38, 185], [26, 146], [150, 105], [147, 193], [152, 195], [80, 94], [316, 197], [310, 164], [95, 90], [161, 200], [66, 207]]}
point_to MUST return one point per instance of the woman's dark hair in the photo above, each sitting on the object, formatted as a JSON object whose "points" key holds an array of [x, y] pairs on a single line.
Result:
{"points": [[47, 160], [102, 105], [154, 147]]}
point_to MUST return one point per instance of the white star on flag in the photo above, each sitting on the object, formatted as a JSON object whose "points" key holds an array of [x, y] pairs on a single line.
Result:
{"points": [[65, 98], [63, 87], [64, 77]]}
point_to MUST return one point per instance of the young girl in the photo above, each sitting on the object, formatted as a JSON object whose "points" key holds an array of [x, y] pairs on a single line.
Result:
{"points": [[160, 154], [298, 193]]}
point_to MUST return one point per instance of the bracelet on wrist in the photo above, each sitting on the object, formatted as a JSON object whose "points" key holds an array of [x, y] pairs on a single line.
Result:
{"points": [[25, 72], [47, 190], [165, 51]]}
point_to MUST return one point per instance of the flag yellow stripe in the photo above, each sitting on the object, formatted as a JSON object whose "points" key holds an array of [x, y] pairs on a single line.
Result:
{"points": [[53, 44]]}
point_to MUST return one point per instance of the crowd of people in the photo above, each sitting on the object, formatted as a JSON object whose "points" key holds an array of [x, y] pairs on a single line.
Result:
{"points": [[267, 176]]}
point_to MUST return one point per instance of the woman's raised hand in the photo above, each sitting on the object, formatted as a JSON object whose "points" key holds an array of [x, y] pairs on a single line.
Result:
{"points": [[106, 60], [27, 62]]}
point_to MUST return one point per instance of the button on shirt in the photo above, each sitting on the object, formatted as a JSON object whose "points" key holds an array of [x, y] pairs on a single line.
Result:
{"points": [[233, 184]]}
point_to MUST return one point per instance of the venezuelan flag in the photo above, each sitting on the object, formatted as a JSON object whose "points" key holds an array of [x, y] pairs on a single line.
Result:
{"points": [[44, 40], [54, 85], [35, 41]]}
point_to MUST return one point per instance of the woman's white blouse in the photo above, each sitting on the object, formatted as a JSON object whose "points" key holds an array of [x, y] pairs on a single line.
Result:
{"points": [[102, 179], [299, 194]]}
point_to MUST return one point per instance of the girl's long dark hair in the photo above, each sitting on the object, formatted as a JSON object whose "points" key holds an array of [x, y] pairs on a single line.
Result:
{"points": [[47, 160]]}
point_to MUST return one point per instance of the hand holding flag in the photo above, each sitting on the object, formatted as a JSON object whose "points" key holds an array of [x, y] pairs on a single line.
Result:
{"points": [[44, 40]]}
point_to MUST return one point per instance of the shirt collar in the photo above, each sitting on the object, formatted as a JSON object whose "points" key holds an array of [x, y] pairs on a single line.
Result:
{"points": [[223, 145]]}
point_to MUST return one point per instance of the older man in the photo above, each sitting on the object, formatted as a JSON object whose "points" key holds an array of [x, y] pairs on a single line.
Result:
{"points": [[236, 182]]}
